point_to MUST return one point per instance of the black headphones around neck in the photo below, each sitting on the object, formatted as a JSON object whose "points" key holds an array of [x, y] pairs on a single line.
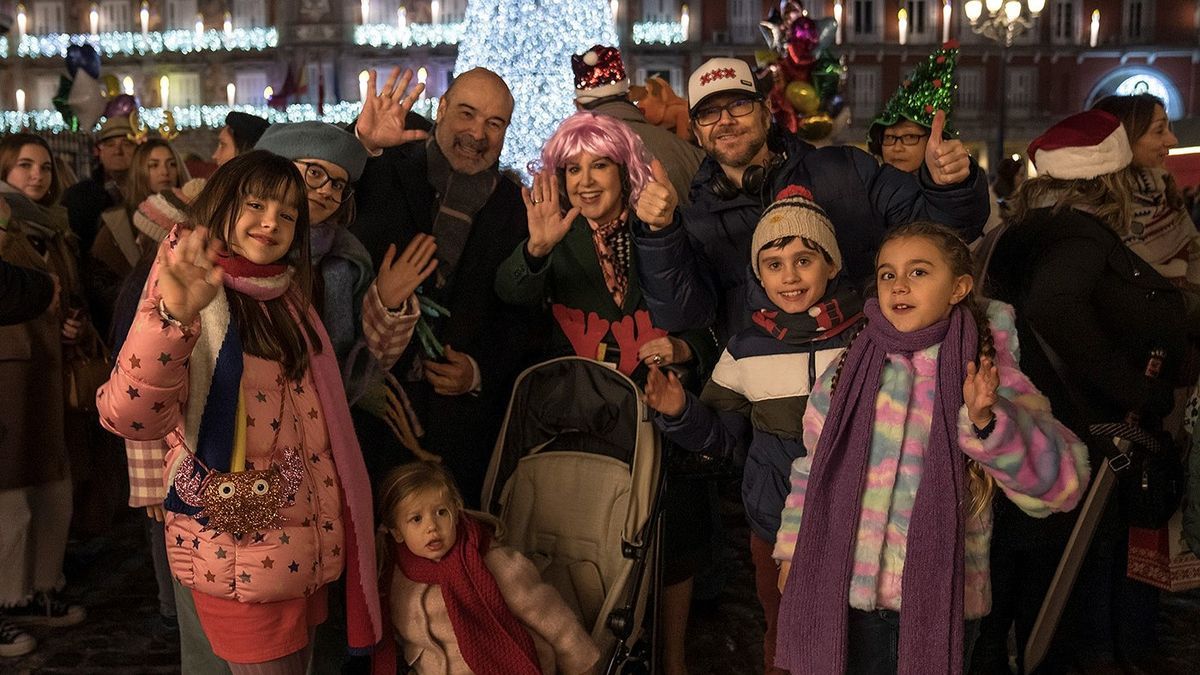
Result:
{"points": [[755, 179]]}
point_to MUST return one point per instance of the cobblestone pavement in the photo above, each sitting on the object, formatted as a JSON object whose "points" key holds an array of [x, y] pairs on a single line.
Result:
{"points": [[112, 577]]}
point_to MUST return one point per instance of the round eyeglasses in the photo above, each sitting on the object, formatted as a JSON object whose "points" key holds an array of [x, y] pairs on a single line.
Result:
{"points": [[315, 177]]}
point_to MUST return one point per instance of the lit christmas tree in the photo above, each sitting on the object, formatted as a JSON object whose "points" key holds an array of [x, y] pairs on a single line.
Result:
{"points": [[529, 43]]}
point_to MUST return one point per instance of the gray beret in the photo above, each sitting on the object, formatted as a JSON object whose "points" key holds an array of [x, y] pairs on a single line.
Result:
{"points": [[316, 140]]}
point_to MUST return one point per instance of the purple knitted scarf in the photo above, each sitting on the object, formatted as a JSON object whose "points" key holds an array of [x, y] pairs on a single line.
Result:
{"points": [[814, 609]]}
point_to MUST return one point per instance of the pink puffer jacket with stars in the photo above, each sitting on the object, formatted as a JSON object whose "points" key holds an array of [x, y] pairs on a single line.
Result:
{"points": [[144, 400]]}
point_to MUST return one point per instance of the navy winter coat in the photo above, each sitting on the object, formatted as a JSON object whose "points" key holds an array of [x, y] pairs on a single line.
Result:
{"points": [[692, 272]]}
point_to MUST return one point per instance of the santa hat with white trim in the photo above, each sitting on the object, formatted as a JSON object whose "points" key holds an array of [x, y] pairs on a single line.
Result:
{"points": [[1083, 146], [599, 73]]}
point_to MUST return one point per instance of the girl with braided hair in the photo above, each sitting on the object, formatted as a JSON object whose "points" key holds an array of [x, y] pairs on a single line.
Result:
{"points": [[924, 417]]}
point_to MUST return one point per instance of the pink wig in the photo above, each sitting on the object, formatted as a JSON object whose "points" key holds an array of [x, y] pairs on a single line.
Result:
{"points": [[603, 136]]}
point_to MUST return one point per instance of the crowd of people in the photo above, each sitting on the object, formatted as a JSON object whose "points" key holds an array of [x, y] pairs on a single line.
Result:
{"points": [[308, 356]]}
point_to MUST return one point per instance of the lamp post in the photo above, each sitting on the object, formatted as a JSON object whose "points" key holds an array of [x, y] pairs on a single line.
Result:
{"points": [[1002, 23]]}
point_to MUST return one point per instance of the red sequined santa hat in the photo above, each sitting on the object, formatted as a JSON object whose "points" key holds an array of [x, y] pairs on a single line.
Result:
{"points": [[1084, 145], [599, 73]]}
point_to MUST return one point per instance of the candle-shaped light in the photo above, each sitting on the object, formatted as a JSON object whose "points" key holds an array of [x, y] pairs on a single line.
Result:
{"points": [[365, 8], [228, 26], [231, 93], [435, 11], [685, 21], [1095, 28], [20, 101], [145, 16], [422, 75], [401, 19], [947, 12], [902, 24], [21, 26], [362, 85], [199, 27], [127, 85], [164, 91], [837, 16], [268, 93], [94, 19]]}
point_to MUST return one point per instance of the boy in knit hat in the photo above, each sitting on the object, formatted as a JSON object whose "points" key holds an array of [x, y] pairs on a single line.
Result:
{"points": [[803, 316]]}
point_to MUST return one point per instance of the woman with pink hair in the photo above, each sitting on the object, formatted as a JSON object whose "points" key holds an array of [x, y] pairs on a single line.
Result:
{"points": [[579, 260]]}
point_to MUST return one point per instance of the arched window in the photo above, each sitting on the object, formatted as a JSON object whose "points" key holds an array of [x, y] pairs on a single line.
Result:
{"points": [[1138, 80]]}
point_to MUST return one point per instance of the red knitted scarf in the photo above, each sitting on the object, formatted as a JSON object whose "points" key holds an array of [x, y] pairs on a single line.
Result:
{"points": [[491, 639]]}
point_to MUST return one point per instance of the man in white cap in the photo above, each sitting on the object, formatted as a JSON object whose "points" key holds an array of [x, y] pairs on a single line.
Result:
{"points": [[692, 264]]}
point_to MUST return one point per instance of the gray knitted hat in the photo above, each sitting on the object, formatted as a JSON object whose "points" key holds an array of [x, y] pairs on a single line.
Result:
{"points": [[316, 140], [794, 214]]}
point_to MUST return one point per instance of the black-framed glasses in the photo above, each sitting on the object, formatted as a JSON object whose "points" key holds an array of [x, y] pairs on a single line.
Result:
{"points": [[709, 115], [315, 177], [904, 139]]}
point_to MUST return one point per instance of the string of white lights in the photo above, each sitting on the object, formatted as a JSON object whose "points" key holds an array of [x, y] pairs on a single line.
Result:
{"points": [[140, 44], [208, 116], [658, 33]]}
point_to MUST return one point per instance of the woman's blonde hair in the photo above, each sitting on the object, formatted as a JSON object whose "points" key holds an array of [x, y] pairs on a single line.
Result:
{"points": [[1108, 197]]}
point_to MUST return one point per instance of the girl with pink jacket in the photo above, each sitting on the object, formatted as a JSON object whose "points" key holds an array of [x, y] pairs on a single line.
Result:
{"points": [[268, 500]]}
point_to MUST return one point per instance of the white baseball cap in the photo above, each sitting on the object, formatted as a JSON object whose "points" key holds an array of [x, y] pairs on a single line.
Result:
{"points": [[718, 76]]}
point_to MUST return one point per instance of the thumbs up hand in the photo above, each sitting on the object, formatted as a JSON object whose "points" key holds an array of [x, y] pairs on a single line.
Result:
{"points": [[656, 205], [948, 161]]}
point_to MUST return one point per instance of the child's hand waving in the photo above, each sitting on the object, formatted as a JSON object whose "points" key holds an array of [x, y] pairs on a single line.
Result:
{"points": [[979, 391], [664, 393], [189, 282], [400, 276]]}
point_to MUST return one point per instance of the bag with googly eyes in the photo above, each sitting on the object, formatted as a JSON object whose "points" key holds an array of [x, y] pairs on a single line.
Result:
{"points": [[242, 501], [250, 500]]}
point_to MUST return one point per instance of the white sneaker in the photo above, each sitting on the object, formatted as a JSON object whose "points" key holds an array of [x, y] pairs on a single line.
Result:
{"points": [[14, 641]]}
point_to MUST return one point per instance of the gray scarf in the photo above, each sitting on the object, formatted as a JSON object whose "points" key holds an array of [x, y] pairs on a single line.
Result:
{"points": [[461, 196]]}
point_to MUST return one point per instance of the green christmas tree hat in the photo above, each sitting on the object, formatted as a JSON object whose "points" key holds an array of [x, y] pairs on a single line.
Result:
{"points": [[926, 90]]}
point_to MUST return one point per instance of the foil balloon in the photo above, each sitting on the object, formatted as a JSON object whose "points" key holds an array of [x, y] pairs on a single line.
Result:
{"points": [[827, 76], [111, 86], [121, 106], [826, 33], [83, 57], [86, 99], [61, 104], [815, 127], [835, 104], [803, 97], [801, 39]]}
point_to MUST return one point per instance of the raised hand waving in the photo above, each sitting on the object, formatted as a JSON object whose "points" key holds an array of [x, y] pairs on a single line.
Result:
{"points": [[381, 124], [547, 223]]}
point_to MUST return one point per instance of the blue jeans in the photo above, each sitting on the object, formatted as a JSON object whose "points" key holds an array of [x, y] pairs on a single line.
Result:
{"points": [[874, 642]]}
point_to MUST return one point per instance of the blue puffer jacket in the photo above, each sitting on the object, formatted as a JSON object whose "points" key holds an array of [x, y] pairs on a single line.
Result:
{"points": [[691, 271], [753, 407]]}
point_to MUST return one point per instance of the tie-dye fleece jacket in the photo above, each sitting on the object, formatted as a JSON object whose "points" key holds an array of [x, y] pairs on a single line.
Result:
{"points": [[1038, 463]]}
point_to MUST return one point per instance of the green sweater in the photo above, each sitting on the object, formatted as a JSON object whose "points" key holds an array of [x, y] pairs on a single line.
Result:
{"points": [[589, 323]]}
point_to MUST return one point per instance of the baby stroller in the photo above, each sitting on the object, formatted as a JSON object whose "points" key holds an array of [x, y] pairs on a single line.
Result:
{"points": [[575, 478]]}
